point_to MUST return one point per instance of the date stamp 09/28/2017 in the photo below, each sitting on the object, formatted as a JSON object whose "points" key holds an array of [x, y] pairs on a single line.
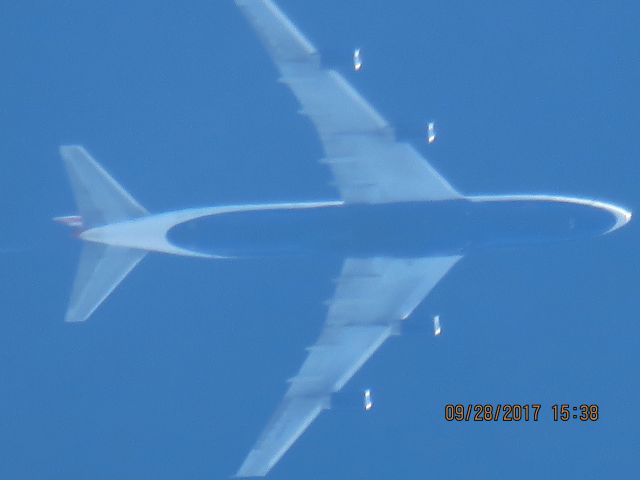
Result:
{"points": [[514, 412]]}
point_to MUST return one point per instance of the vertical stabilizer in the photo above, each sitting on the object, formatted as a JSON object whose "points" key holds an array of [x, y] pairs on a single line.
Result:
{"points": [[101, 201]]}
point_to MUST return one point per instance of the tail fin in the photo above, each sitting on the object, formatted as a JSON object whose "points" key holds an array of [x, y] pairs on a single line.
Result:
{"points": [[100, 201]]}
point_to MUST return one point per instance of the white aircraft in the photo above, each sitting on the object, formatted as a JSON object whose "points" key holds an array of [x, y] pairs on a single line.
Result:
{"points": [[398, 224]]}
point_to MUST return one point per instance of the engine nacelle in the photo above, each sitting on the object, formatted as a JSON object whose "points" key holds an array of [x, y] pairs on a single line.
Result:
{"points": [[357, 60], [437, 328], [431, 132], [368, 400]]}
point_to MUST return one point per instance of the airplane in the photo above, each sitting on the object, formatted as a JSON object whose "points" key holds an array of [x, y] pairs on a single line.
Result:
{"points": [[398, 225]]}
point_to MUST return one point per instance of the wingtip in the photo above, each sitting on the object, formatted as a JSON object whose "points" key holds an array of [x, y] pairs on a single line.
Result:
{"points": [[73, 321], [248, 468], [72, 153], [240, 474], [70, 317], [65, 149], [77, 315]]}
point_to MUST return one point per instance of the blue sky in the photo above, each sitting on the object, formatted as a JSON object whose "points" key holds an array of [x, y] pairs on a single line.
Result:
{"points": [[177, 373]]}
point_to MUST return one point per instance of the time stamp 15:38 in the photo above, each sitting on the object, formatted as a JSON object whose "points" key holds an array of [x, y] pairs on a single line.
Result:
{"points": [[516, 412]]}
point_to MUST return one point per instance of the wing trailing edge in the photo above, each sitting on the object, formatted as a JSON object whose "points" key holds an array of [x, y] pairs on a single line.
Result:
{"points": [[368, 163]]}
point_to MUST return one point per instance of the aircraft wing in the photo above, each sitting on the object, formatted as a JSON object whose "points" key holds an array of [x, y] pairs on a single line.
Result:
{"points": [[368, 164], [372, 297]]}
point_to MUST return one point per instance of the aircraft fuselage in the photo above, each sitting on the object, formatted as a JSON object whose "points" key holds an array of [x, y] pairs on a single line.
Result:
{"points": [[408, 229]]}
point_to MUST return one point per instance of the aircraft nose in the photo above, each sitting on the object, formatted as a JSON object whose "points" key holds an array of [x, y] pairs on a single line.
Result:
{"points": [[622, 215]]}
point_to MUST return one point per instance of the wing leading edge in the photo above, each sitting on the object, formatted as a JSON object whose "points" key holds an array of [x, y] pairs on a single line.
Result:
{"points": [[368, 164], [372, 297]]}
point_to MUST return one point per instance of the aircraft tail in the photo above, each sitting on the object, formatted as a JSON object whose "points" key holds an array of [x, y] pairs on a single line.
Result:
{"points": [[100, 271], [99, 198], [100, 201]]}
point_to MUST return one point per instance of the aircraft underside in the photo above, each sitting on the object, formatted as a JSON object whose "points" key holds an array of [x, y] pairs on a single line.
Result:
{"points": [[397, 224], [398, 230]]}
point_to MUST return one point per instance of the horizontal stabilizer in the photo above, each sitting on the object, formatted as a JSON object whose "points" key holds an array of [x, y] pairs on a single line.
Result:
{"points": [[100, 271], [100, 199]]}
